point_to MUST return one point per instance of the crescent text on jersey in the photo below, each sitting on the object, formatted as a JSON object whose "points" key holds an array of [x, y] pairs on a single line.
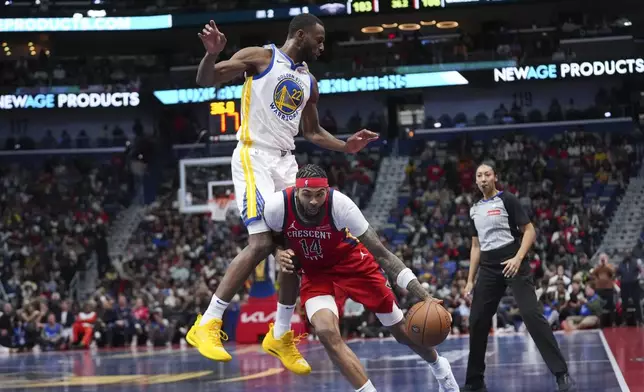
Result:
{"points": [[308, 234]]}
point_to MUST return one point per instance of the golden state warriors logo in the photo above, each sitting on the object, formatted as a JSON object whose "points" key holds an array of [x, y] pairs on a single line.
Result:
{"points": [[287, 97]]}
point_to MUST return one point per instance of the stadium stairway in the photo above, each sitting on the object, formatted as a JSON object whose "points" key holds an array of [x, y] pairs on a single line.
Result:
{"points": [[627, 223], [385, 195], [85, 281], [122, 229]]}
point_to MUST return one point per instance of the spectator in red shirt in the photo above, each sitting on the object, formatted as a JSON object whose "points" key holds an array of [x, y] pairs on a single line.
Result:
{"points": [[435, 173]]}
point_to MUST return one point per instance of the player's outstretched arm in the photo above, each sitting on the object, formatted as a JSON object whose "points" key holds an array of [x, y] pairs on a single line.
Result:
{"points": [[393, 266], [249, 60], [313, 131]]}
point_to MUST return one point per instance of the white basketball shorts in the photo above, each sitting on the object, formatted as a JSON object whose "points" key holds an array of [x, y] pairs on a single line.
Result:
{"points": [[259, 172]]}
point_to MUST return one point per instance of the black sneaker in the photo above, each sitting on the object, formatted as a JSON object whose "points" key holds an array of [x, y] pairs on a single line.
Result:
{"points": [[474, 388], [565, 383]]}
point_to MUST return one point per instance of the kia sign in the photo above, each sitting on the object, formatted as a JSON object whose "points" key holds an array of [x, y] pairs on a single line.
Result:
{"points": [[570, 70], [69, 101], [255, 317]]}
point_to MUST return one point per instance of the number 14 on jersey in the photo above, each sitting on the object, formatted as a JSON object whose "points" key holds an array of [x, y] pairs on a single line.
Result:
{"points": [[312, 249]]}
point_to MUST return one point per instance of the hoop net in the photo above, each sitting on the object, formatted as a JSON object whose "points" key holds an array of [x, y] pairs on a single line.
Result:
{"points": [[220, 206]]}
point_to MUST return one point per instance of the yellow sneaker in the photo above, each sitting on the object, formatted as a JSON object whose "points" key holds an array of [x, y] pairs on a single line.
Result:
{"points": [[207, 338], [285, 349], [190, 336]]}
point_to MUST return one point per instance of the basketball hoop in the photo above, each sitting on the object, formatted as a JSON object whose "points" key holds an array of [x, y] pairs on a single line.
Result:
{"points": [[219, 207]]}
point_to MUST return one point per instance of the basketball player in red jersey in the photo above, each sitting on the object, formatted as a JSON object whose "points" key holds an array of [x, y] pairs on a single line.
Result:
{"points": [[318, 226], [279, 97]]}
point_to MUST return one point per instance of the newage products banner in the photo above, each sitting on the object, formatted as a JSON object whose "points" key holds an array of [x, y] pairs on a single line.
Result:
{"points": [[570, 70], [71, 101]]}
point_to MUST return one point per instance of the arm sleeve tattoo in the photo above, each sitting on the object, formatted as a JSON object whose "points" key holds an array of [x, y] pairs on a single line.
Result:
{"points": [[391, 264]]}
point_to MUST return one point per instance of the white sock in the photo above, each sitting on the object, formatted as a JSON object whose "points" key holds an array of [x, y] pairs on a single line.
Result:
{"points": [[436, 365], [215, 310], [283, 320], [367, 387]]}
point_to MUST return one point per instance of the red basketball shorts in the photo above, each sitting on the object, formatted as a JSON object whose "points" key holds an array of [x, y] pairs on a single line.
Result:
{"points": [[361, 281]]}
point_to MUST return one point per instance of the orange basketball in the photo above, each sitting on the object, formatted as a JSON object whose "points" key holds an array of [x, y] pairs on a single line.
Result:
{"points": [[428, 323]]}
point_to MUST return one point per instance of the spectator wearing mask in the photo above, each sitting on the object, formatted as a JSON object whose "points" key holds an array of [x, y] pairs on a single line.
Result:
{"points": [[629, 271]]}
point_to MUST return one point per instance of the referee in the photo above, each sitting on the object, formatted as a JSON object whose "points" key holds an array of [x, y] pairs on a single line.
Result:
{"points": [[501, 237]]}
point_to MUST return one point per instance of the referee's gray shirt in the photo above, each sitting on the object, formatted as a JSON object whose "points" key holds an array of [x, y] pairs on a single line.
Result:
{"points": [[497, 222]]}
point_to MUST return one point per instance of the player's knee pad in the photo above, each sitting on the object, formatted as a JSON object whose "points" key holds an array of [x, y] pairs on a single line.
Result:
{"points": [[391, 318], [321, 302]]}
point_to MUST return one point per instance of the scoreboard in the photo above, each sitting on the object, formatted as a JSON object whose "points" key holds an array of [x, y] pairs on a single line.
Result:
{"points": [[224, 117], [388, 6]]}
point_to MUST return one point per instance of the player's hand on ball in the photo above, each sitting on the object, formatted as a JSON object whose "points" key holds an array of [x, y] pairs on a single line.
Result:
{"points": [[511, 266], [359, 140], [439, 302], [285, 258], [213, 39], [432, 299]]}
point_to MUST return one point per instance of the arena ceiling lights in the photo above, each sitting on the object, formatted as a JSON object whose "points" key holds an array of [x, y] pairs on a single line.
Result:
{"points": [[447, 24], [409, 27], [372, 29]]}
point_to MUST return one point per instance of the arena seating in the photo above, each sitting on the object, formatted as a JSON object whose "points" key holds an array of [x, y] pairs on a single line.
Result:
{"points": [[568, 185], [56, 215]]}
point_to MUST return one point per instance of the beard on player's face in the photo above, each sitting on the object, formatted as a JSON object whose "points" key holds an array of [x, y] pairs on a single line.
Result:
{"points": [[311, 200], [307, 53], [311, 44]]}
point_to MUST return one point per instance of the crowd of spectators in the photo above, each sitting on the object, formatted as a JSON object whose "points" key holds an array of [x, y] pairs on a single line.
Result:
{"points": [[174, 261], [54, 215], [18, 137], [613, 103], [109, 74], [553, 180]]}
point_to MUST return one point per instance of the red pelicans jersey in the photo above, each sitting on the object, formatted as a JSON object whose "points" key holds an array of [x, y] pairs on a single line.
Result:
{"points": [[330, 242]]}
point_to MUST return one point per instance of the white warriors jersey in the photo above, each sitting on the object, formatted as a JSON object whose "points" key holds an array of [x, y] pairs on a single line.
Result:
{"points": [[272, 103]]}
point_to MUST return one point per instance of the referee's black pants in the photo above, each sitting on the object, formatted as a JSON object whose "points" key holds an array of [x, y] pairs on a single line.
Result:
{"points": [[488, 291], [631, 290]]}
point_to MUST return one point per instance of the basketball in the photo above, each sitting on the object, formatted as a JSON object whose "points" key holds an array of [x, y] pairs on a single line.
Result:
{"points": [[428, 323]]}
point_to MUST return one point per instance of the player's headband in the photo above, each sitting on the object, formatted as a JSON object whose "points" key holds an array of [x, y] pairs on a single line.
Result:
{"points": [[315, 182]]}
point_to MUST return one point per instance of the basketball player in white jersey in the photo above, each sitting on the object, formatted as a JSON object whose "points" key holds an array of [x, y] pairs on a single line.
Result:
{"points": [[279, 97]]}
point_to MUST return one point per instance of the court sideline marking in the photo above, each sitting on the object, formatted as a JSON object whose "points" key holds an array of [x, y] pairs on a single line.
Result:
{"points": [[511, 364], [613, 362]]}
